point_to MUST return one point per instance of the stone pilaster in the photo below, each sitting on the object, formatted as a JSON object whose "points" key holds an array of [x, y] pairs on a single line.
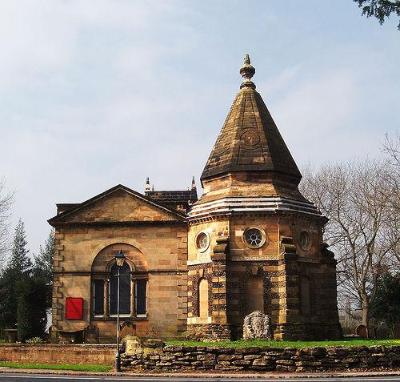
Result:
{"points": [[287, 326], [219, 322], [57, 292], [216, 326]]}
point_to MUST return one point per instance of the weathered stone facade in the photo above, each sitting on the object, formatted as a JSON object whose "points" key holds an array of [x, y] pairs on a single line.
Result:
{"points": [[252, 242], [265, 248], [154, 240]]}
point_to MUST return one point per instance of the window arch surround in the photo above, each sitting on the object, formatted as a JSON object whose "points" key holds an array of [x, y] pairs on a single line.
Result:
{"points": [[104, 259], [133, 283]]}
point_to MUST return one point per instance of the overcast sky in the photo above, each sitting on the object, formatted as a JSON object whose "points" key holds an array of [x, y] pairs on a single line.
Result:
{"points": [[95, 93]]}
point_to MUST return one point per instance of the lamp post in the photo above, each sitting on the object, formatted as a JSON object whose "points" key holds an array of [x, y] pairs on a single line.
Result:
{"points": [[119, 260]]}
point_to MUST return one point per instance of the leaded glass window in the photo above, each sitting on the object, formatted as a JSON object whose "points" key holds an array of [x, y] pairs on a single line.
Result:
{"points": [[98, 297], [140, 297]]}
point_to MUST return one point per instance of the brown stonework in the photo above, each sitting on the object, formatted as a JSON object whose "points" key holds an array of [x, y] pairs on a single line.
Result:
{"points": [[259, 359], [252, 240], [157, 251], [251, 185], [249, 141], [59, 354], [159, 357]]}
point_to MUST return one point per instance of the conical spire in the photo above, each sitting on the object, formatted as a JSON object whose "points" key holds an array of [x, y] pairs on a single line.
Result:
{"points": [[250, 140]]}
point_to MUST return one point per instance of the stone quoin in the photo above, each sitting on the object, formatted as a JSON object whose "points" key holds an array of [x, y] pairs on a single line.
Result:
{"points": [[197, 267]]}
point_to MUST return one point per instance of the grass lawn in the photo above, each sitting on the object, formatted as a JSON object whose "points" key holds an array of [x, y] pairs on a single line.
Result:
{"points": [[286, 344], [47, 366]]}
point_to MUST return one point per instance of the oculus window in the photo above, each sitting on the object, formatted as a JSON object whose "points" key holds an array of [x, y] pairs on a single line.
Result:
{"points": [[254, 237], [202, 241]]}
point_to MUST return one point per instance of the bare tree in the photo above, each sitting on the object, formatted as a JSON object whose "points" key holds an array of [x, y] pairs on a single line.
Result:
{"points": [[6, 199], [391, 148], [355, 198]]}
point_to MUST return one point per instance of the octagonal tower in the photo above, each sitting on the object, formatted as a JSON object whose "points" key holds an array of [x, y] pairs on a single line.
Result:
{"points": [[255, 243]]}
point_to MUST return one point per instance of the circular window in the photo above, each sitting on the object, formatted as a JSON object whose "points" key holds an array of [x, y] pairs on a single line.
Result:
{"points": [[305, 240], [254, 237], [202, 241]]}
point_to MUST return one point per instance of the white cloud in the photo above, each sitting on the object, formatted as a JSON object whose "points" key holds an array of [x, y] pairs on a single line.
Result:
{"points": [[40, 38]]}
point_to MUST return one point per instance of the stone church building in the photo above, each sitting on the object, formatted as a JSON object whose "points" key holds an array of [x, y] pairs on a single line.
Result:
{"points": [[196, 267]]}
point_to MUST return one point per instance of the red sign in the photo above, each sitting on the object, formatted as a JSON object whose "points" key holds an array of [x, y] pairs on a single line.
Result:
{"points": [[74, 308]]}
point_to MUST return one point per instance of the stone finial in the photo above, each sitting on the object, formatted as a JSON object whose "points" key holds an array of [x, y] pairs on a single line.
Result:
{"points": [[193, 184], [247, 72], [147, 186]]}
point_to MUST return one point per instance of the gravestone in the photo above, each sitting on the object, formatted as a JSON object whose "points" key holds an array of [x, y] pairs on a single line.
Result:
{"points": [[257, 325]]}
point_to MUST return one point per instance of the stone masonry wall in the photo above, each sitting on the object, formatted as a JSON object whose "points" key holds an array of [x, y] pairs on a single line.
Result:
{"points": [[72, 354], [154, 241], [170, 358], [263, 359]]}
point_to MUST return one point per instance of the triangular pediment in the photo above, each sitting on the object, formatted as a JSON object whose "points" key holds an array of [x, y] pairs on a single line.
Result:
{"points": [[119, 204]]}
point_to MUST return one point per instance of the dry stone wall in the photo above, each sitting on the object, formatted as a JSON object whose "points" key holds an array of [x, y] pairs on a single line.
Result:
{"points": [[169, 358]]}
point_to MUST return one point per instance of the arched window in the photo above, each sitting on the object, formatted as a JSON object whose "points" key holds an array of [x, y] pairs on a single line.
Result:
{"points": [[132, 284], [203, 299]]}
